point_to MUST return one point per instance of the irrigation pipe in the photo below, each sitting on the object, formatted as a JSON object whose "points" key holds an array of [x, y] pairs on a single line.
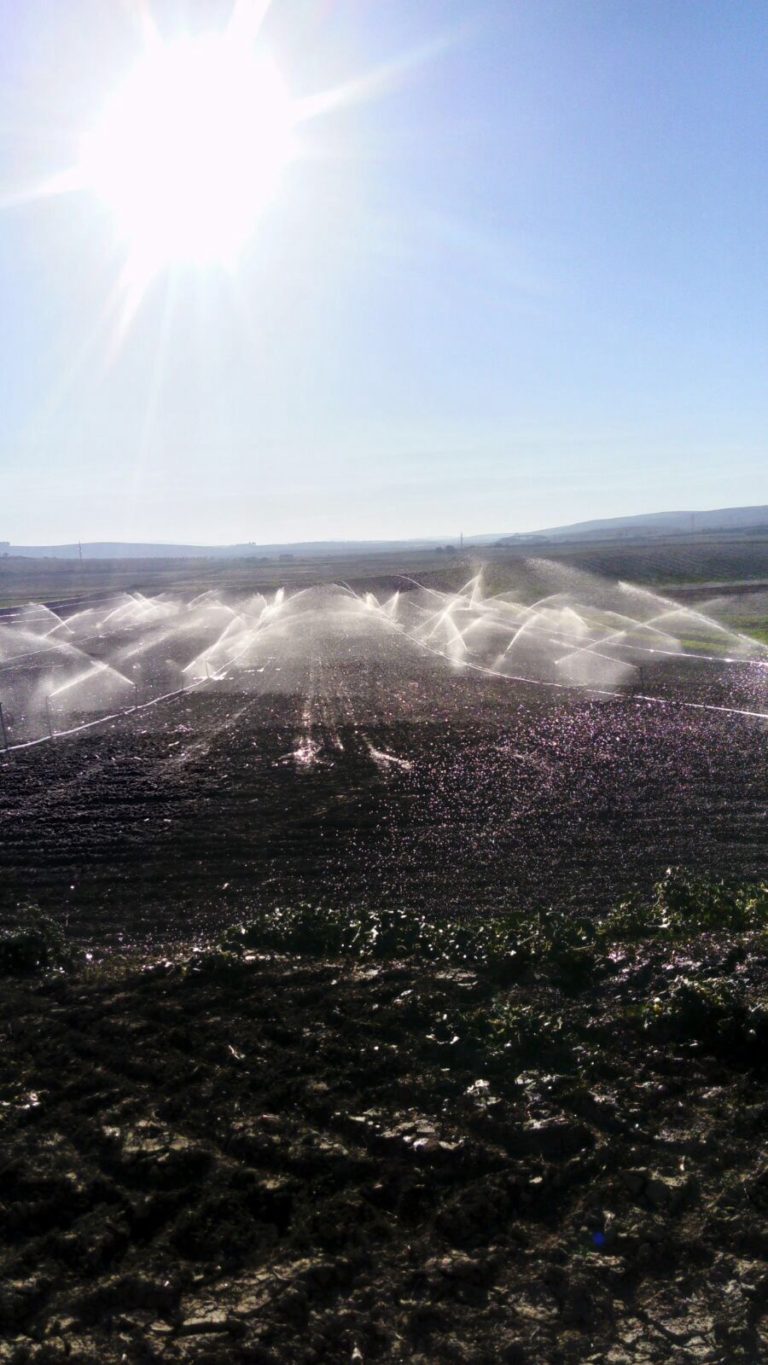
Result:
{"points": [[103, 720], [571, 687]]}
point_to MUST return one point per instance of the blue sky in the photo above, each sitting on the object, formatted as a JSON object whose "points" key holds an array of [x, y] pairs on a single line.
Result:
{"points": [[518, 281]]}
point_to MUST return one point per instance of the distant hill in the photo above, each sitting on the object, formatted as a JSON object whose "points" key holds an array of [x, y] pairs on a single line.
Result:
{"points": [[734, 519], [301, 549], [651, 524]]}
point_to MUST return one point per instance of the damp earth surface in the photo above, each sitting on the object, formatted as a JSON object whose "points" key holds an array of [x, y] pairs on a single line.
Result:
{"points": [[384, 977]]}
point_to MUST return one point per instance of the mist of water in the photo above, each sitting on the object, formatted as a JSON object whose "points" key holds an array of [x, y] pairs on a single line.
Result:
{"points": [[566, 629]]}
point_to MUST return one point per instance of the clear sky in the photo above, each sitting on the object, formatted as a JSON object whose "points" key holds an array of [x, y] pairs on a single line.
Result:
{"points": [[513, 276]]}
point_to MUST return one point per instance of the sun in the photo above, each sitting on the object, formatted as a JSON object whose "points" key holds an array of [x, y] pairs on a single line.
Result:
{"points": [[190, 150]]}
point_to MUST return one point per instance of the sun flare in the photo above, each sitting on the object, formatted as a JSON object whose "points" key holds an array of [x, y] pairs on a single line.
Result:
{"points": [[189, 151]]}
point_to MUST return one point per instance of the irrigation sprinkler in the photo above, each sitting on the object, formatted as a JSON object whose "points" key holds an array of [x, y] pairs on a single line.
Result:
{"points": [[49, 718], [3, 730]]}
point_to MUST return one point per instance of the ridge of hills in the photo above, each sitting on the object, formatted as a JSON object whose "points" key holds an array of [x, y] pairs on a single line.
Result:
{"points": [[648, 524], [653, 523]]}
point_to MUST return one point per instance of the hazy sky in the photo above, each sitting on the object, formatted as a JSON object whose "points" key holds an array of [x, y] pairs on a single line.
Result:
{"points": [[517, 278]]}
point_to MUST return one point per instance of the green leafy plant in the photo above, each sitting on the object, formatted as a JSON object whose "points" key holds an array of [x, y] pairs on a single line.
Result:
{"points": [[32, 942], [711, 1012], [379, 934], [683, 905]]}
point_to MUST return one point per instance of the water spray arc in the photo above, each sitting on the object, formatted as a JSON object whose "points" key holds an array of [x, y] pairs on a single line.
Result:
{"points": [[4, 731], [119, 655]]}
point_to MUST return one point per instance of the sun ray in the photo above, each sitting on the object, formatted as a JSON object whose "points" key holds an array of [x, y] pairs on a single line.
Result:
{"points": [[157, 373], [141, 13], [378, 81], [247, 19], [50, 187]]}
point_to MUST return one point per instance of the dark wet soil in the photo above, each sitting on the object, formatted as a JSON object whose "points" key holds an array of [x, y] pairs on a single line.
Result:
{"points": [[277, 1159], [470, 798], [281, 1159]]}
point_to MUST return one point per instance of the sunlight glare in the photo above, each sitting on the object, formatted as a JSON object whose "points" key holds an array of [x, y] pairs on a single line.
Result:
{"points": [[189, 151]]}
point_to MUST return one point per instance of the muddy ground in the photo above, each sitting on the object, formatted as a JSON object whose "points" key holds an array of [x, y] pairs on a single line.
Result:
{"points": [[267, 1157], [167, 824], [277, 1155]]}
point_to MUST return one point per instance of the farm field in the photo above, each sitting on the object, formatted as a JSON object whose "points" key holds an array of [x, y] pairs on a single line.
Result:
{"points": [[328, 1033], [680, 560], [420, 748]]}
